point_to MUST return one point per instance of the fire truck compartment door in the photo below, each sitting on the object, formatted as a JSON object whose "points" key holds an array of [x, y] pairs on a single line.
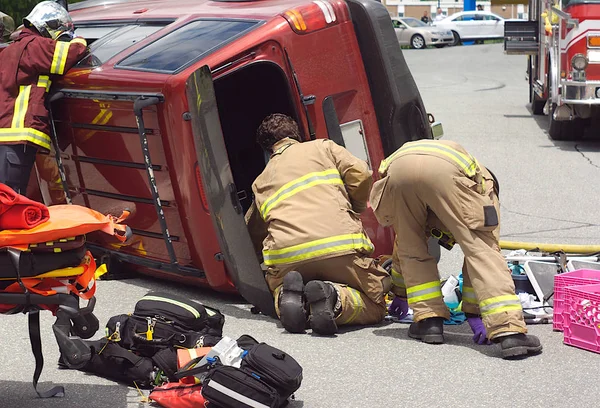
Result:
{"points": [[225, 209]]}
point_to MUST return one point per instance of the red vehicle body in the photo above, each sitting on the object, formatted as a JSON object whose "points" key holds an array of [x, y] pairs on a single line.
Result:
{"points": [[192, 80], [564, 63]]}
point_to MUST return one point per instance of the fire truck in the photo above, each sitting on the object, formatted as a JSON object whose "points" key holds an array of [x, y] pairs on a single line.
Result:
{"points": [[562, 42]]}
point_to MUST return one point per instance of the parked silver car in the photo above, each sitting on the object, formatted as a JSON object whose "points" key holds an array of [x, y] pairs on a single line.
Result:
{"points": [[417, 34]]}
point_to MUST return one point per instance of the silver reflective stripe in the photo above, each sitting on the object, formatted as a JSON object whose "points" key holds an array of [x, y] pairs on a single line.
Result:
{"points": [[468, 295], [361, 242], [423, 292], [235, 395], [495, 305]]}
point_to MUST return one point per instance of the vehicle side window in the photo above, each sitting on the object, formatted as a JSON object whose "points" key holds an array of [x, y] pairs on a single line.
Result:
{"points": [[466, 17], [396, 24], [181, 47], [492, 18], [479, 17], [115, 41]]}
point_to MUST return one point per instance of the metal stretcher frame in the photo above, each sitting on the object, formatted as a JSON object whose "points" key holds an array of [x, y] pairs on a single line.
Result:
{"points": [[140, 101]]}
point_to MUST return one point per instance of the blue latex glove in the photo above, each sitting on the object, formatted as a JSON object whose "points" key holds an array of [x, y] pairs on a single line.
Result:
{"points": [[479, 334], [398, 308]]}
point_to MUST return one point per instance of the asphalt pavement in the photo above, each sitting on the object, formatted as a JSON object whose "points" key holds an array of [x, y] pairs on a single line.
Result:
{"points": [[548, 194]]}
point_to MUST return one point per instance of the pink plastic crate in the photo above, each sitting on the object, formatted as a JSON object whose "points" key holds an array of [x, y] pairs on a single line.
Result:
{"points": [[581, 317], [561, 281]]}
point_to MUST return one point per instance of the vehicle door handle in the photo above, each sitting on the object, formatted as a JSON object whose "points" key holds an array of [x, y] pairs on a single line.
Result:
{"points": [[233, 195]]}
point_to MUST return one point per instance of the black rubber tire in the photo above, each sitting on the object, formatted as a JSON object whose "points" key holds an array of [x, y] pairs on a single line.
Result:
{"points": [[457, 40], [420, 42], [565, 130], [537, 103]]}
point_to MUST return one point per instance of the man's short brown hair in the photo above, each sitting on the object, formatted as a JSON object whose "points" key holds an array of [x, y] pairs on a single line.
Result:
{"points": [[276, 127]]}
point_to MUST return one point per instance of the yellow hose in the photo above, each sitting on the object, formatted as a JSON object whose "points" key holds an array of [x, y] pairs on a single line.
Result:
{"points": [[571, 249]]}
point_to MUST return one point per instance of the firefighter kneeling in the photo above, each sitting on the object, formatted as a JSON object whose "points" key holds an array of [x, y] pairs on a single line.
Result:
{"points": [[427, 180], [305, 212]]}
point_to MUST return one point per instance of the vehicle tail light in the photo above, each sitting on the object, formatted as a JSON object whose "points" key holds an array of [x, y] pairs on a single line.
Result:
{"points": [[594, 41], [201, 188], [316, 15]]}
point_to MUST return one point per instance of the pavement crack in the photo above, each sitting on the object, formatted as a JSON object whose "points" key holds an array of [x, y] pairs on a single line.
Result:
{"points": [[582, 223], [585, 157]]}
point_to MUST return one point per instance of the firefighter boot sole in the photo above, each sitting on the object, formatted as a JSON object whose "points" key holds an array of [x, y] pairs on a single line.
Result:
{"points": [[321, 299], [519, 345], [430, 331], [291, 304]]}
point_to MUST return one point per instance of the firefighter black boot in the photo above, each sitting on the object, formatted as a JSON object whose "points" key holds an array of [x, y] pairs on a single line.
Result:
{"points": [[428, 330], [321, 298], [292, 310], [518, 345]]}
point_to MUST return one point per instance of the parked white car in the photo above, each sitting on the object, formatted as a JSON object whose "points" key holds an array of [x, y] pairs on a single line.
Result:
{"points": [[417, 34], [472, 25]]}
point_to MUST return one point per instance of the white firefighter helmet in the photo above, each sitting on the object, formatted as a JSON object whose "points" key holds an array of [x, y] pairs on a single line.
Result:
{"points": [[50, 19]]}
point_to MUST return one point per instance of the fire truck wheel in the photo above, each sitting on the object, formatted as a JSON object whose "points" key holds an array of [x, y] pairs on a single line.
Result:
{"points": [[565, 130], [456, 38], [537, 104], [417, 42]]}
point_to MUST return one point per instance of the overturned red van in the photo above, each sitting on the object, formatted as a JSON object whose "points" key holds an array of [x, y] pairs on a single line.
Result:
{"points": [[160, 119]]}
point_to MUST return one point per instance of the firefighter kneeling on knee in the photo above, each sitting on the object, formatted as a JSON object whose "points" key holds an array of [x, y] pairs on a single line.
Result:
{"points": [[430, 180], [305, 214]]}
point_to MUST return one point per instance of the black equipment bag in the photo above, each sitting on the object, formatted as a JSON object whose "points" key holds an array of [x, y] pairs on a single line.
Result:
{"points": [[130, 332], [274, 367], [230, 387], [36, 263], [109, 360], [184, 313]]}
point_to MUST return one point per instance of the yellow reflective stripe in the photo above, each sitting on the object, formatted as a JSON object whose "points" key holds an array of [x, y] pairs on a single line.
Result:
{"points": [[21, 105], [44, 82], [468, 295], [499, 304], [500, 309], [423, 286], [466, 163], [317, 248], [498, 299], [79, 40], [59, 59], [331, 176], [397, 279], [425, 291], [182, 305], [357, 302], [25, 135]]}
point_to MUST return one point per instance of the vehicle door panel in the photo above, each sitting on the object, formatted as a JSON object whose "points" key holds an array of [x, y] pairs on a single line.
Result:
{"points": [[225, 209]]}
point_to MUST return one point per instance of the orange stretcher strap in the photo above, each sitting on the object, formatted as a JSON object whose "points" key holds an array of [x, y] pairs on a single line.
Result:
{"points": [[65, 221]]}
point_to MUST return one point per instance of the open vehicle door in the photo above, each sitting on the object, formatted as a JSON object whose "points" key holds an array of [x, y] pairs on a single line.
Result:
{"points": [[221, 193]]}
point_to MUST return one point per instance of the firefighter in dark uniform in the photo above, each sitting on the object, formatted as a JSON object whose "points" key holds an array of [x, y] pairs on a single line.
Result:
{"points": [[44, 48]]}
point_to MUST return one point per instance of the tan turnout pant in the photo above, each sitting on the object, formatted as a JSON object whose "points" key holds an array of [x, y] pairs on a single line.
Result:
{"points": [[361, 285], [420, 185]]}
